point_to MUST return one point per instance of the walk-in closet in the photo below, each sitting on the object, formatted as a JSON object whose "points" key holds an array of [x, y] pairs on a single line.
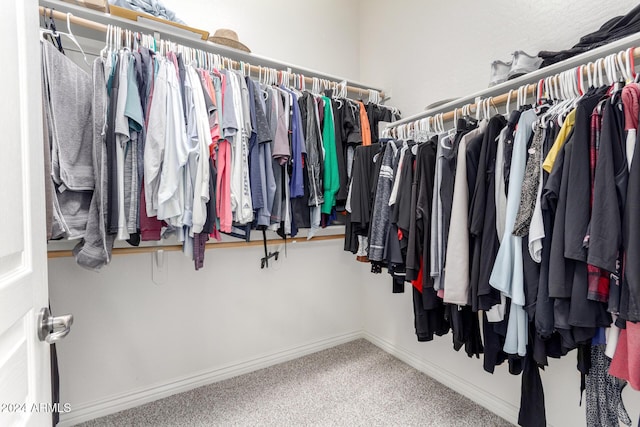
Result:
{"points": [[349, 212]]}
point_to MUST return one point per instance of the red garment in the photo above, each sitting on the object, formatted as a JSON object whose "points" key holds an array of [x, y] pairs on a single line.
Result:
{"points": [[150, 227], [223, 186], [598, 278], [626, 361], [418, 282], [630, 101]]}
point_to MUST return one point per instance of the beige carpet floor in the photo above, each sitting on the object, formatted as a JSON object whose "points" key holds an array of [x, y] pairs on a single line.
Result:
{"points": [[354, 384]]}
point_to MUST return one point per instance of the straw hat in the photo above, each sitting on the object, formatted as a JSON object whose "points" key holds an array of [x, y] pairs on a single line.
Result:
{"points": [[228, 38]]}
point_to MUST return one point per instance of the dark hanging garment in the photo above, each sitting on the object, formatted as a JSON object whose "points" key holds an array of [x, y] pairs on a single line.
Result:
{"points": [[584, 315], [609, 199], [341, 152], [514, 118], [393, 256], [362, 184], [465, 326], [428, 322], [561, 269], [544, 317], [609, 191], [413, 263], [351, 122], [110, 142], [631, 242], [400, 223], [494, 337], [376, 114], [578, 199], [424, 197], [429, 311], [532, 410], [614, 29], [482, 220], [402, 208]]}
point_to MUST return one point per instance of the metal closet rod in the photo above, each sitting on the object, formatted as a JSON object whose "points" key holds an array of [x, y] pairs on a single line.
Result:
{"points": [[174, 248], [96, 26], [511, 95]]}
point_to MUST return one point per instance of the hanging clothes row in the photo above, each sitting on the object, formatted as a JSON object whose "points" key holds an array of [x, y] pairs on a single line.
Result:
{"points": [[518, 233], [164, 140]]}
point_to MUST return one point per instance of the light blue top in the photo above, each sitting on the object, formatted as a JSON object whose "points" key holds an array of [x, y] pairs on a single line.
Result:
{"points": [[508, 275]]}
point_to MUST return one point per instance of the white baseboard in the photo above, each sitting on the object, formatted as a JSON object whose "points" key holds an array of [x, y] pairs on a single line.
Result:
{"points": [[479, 395], [120, 402]]}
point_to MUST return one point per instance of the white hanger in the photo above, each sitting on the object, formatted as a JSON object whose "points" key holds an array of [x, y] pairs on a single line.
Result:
{"points": [[589, 79], [69, 34], [508, 102], [621, 66], [608, 69], [549, 87], [103, 51], [73, 38], [556, 86], [563, 85], [597, 72], [455, 117]]}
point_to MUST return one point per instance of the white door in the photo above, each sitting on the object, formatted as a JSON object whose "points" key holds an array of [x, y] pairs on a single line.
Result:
{"points": [[25, 380]]}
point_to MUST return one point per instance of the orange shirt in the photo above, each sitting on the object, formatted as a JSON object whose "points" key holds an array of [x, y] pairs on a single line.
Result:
{"points": [[365, 129]]}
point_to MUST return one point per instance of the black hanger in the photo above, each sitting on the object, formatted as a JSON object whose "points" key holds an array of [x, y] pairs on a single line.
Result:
{"points": [[50, 24], [264, 262]]}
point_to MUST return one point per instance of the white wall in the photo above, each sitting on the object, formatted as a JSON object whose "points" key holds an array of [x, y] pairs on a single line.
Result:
{"points": [[132, 336], [426, 51], [388, 322], [321, 35], [135, 340]]}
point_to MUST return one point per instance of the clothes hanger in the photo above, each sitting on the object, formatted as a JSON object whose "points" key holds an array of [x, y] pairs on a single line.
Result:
{"points": [[103, 51], [69, 35], [612, 72], [488, 109], [445, 136], [589, 77], [539, 92], [630, 63], [621, 66], [50, 24], [476, 107]]}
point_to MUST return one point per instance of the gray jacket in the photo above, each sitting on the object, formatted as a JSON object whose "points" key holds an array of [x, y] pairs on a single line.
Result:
{"points": [[380, 218]]}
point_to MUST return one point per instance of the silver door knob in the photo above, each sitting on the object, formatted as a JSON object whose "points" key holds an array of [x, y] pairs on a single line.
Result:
{"points": [[52, 329]]}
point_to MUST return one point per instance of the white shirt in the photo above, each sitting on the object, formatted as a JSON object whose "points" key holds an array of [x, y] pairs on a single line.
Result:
{"points": [[201, 184], [170, 192], [241, 203], [155, 140]]}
